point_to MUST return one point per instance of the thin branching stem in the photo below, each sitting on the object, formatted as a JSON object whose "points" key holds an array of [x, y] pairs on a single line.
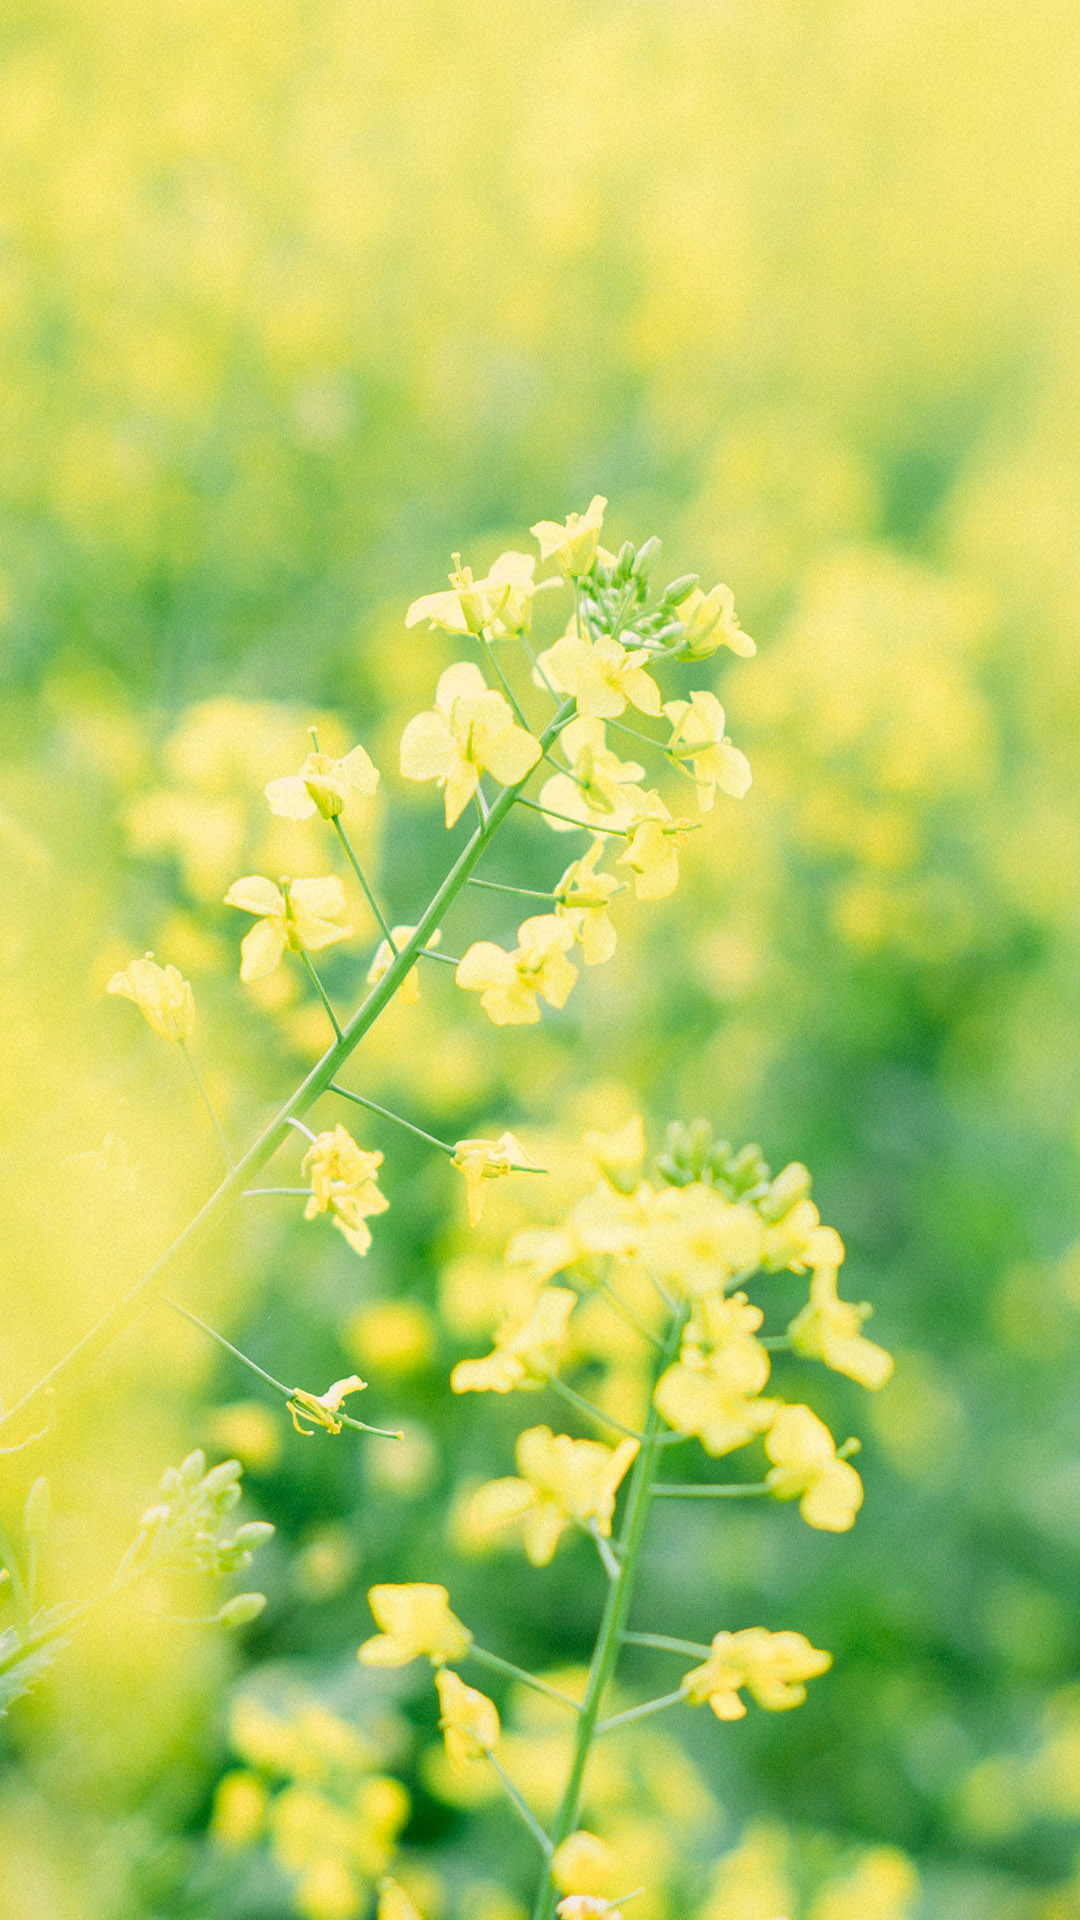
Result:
{"points": [[361, 876], [522, 1807], [372, 1106], [641, 1713], [220, 1340], [595, 1414], [312, 975], [521, 1674], [130, 1303], [694, 1491], [502, 886], [205, 1098], [665, 1643]]}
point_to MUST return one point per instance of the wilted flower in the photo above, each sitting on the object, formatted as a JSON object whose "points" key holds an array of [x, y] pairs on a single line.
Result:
{"points": [[415, 1620], [773, 1667], [470, 731], [323, 785], [469, 1720], [808, 1469], [344, 1184], [483, 1160], [526, 1348], [311, 1410], [510, 985], [162, 995], [304, 916]]}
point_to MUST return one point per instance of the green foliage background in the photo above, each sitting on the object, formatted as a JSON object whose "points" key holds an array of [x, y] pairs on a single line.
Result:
{"points": [[295, 298]]}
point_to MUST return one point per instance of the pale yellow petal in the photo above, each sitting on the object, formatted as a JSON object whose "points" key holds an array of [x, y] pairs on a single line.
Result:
{"points": [[255, 895], [261, 949]]}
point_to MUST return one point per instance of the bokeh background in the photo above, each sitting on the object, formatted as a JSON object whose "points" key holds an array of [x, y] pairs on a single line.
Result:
{"points": [[295, 298]]}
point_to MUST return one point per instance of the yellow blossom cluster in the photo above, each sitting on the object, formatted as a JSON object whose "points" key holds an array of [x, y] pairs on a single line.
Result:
{"points": [[344, 1184]]}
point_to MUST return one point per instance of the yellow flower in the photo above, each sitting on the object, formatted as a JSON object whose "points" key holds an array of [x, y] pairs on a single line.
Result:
{"points": [[713, 1389], [773, 1668], [794, 1235], [808, 1469], [562, 1481], [409, 991], [582, 899], [601, 790], [602, 675], [415, 1620], [394, 1903], [482, 1160], [323, 785], [526, 1349], [509, 983], [469, 1720], [344, 1184], [829, 1329], [619, 1155], [322, 1409], [709, 621], [502, 601], [653, 850], [471, 731], [303, 917], [698, 737], [572, 543], [584, 1863], [162, 995], [697, 1240]]}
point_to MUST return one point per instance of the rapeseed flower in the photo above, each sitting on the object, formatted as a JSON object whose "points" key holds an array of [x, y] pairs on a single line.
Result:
{"points": [[572, 543], [655, 837], [385, 955], [713, 1389], [511, 985], [162, 995], [484, 1160], [502, 601], [709, 621], [344, 1184], [602, 675], [600, 790], [415, 1620], [323, 785], [582, 899], [620, 1154], [563, 1481], [697, 1240], [698, 738], [470, 731], [807, 1468], [302, 915], [773, 1667], [469, 1720], [583, 1863], [830, 1329], [526, 1348]]}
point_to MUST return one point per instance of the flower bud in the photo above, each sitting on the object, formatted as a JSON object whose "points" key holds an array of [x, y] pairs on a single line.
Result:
{"points": [[624, 564], [38, 1510], [153, 1518], [253, 1533], [241, 1609], [220, 1478], [189, 1473], [646, 559], [679, 588]]}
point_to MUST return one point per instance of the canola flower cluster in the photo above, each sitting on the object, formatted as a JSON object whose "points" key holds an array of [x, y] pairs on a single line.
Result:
{"points": [[671, 1254]]}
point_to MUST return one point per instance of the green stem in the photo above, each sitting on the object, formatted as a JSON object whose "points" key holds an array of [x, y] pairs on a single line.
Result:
{"points": [[500, 886], [578, 1400], [606, 1649], [641, 1713], [498, 1665], [359, 872], [538, 669], [665, 1644], [385, 1114], [320, 990], [128, 1305], [542, 1839], [220, 1340], [583, 826], [205, 1098], [489, 649], [695, 1491]]}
